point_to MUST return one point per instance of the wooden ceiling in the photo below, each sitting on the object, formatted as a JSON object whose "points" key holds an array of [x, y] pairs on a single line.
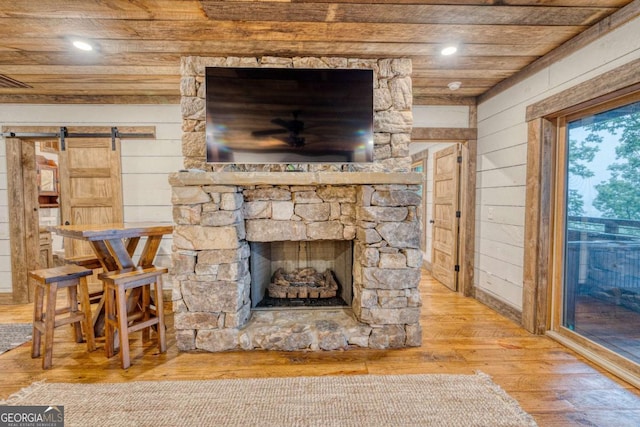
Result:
{"points": [[139, 42]]}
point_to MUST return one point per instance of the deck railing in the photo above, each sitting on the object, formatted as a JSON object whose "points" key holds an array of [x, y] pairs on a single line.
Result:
{"points": [[589, 228], [603, 259]]}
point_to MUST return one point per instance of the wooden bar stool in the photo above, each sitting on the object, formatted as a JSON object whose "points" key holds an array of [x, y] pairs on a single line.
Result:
{"points": [[45, 318], [92, 263], [118, 317]]}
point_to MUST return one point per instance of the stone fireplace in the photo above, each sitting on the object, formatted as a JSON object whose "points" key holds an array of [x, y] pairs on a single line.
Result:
{"points": [[237, 225]]}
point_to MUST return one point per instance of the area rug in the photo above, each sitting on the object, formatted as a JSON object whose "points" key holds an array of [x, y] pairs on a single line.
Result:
{"points": [[362, 400], [14, 334]]}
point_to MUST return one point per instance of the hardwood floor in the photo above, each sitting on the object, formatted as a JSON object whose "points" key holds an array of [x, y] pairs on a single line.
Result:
{"points": [[461, 336]]}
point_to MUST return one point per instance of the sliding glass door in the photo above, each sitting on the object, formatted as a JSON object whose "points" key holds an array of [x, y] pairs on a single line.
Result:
{"points": [[600, 201]]}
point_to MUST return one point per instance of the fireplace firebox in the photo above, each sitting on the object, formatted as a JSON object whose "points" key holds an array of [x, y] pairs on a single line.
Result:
{"points": [[301, 274]]}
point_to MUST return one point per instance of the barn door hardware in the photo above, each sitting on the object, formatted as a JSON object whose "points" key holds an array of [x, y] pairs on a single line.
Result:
{"points": [[114, 135], [64, 134]]}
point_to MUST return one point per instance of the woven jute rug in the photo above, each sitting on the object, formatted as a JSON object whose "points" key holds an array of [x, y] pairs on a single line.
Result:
{"points": [[13, 335], [363, 400]]}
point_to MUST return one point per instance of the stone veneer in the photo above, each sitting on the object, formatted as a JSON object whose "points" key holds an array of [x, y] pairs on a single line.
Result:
{"points": [[215, 222], [219, 208], [392, 102]]}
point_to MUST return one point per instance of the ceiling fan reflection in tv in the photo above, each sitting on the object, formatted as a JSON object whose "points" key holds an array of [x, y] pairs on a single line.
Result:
{"points": [[293, 127]]}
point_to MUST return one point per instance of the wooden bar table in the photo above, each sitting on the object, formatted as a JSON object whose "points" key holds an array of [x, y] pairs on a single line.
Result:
{"points": [[114, 246]]}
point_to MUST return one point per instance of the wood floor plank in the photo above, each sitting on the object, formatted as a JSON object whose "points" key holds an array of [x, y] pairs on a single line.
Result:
{"points": [[460, 336]]}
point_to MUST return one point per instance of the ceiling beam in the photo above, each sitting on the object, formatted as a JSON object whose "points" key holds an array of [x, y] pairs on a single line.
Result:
{"points": [[88, 99]]}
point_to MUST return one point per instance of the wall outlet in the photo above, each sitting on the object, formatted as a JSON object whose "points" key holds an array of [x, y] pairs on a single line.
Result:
{"points": [[490, 214]]}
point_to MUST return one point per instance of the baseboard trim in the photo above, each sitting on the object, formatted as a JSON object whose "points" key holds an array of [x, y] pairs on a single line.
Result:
{"points": [[592, 356], [6, 298], [495, 304], [426, 265]]}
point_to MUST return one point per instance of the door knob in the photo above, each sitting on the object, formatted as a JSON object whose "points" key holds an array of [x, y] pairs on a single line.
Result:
{"points": [[432, 221]]}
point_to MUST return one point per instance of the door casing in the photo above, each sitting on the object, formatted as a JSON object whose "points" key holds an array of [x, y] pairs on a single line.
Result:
{"points": [[467, 206]]}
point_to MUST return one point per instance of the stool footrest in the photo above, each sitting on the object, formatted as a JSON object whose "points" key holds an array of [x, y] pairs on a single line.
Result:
{"points": [[95, 297], [77, 317], [141, 325]]}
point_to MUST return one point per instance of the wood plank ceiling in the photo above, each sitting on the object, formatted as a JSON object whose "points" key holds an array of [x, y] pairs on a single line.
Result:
{"points": [[138, 44]]}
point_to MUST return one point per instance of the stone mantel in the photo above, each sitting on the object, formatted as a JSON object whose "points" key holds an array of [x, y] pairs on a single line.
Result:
{"points": [[188, 178]]}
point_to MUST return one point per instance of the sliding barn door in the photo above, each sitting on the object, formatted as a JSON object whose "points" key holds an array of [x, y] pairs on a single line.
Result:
{"points": [[90, 186], [446, 184]]}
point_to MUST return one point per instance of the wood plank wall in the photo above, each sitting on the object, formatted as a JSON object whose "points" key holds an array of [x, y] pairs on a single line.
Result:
{"points": [[502, 158]]}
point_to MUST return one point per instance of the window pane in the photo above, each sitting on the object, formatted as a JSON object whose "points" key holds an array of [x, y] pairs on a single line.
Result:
{"points": [[602, 247]]}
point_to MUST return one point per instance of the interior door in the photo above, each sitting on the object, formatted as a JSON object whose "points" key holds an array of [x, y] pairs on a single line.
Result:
{"points": [[446, 184], [90, 186]]}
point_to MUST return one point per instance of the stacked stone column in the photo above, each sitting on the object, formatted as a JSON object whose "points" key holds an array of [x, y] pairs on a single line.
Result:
{"points": [[387, 264], [210, 267]]}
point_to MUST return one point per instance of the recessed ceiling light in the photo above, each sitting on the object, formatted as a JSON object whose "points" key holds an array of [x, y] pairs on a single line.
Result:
{"points": [[82, 45], [454, 85], [449, 50]]}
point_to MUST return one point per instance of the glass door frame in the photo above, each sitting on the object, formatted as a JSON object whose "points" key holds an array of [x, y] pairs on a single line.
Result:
{"points": [[593, 351]]}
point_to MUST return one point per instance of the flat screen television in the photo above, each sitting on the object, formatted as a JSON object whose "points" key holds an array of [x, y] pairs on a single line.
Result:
{"points": [[289, 115]]}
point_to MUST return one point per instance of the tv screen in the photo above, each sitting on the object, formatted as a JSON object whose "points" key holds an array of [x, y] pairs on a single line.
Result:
{"points": [[289, 115]]}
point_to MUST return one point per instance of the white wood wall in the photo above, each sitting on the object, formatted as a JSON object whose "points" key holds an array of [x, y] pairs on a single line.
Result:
{"points": [[145, 163], [440, 116], [502, 158]]}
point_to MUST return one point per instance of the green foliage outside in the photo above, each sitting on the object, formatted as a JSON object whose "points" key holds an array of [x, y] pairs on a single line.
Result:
{"points": [[581, 153], [618, 196]]}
